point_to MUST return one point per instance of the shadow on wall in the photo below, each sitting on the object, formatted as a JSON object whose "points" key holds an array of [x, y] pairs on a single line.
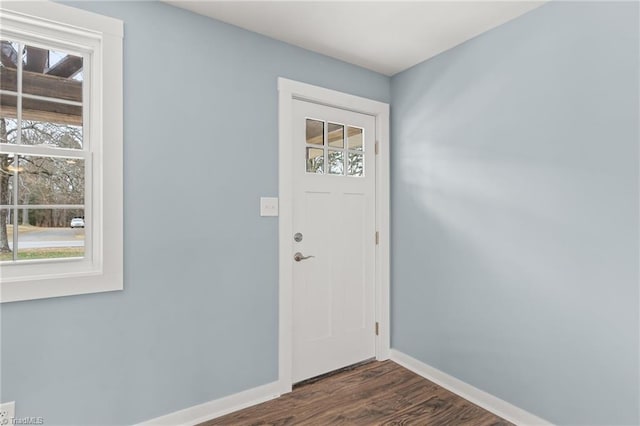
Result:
{"points": [[515, 212]]}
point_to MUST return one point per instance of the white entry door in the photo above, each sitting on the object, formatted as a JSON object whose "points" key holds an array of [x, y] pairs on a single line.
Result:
{"points": [[334, 238]]}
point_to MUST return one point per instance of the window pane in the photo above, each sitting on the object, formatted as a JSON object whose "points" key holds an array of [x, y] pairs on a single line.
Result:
{"points": [[336, 135], [48, 234], [8, 125], [336, 162], [315, 160], [8, 166], [9, 50], [355, 138], [6, 234], [8, 105], [356, 164], [8, 65], [55, 135], [49, 180], [315, 132], [51, 73], [50, 112]]}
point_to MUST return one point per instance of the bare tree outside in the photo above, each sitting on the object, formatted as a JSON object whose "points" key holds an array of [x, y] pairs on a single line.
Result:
{"points": [[6, 163]]}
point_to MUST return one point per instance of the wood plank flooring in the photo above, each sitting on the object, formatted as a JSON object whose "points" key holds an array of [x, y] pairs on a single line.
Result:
{"points": [[376, 393]]}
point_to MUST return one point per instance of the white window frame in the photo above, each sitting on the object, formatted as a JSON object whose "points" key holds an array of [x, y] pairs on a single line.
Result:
{"points": [[100, 37]]}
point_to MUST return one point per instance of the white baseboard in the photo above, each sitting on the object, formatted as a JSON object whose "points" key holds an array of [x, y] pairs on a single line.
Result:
{"points": [[228, 404], [481, 398], [218, 407]]}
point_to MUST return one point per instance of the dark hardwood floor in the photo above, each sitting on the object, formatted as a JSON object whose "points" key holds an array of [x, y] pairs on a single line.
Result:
{"points": [[376, 393]]}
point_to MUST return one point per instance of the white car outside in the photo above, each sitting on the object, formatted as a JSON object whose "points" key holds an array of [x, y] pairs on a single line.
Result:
{"points": [[77, 222]]}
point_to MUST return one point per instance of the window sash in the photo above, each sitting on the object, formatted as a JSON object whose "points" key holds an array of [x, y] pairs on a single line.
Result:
{"points": [[18, 148], [84, 47]]}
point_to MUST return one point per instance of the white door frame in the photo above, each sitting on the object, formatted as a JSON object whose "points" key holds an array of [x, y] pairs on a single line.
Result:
{"points": [[288, 90]]}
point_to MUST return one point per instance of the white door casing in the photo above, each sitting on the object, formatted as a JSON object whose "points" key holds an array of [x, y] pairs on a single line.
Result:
{"points": [[334, 214], [366, 114]]}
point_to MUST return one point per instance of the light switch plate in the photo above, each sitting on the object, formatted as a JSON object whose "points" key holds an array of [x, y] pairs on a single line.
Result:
{"points": [[268, 206], [7, 413]]}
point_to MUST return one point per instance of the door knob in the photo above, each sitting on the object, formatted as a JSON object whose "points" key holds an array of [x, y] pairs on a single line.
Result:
{"points": [[299, 256]]}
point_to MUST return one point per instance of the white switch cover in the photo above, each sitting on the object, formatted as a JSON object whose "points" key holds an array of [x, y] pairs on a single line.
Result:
{"points": [[268, 206], [7, 413]]}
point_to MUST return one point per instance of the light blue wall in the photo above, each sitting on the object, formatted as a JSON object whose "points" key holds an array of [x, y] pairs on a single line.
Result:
{"points": [[198, 317], [515, 212]]}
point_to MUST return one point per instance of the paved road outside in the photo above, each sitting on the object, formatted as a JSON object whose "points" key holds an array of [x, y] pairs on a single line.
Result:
{"points": [[50, 237]]}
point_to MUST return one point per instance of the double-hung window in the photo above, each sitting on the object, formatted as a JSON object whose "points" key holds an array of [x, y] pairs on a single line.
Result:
{"points": [[60, 151]]}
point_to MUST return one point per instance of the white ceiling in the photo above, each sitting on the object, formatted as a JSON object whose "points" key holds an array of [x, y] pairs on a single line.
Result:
{"points": [[383, 36]]}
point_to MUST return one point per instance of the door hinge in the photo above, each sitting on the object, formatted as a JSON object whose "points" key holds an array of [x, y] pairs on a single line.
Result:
{"points": [[377, 329], [377, 237], [377, 147]]}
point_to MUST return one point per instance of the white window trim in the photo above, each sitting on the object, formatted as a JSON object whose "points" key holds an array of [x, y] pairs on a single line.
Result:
{"points": [[103, 35]]}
